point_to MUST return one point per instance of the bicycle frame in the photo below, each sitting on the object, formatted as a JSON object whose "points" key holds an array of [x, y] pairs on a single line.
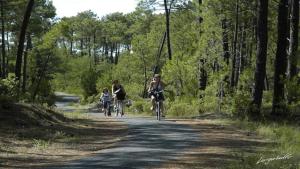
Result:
{"points": [[158, 105], [158, 110], [119, 108]]}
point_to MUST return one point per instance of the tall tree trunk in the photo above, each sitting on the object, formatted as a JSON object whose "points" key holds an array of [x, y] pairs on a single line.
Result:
{"points": [[168, 29], [106, 51], [112, 53], [94, 49], [279, 103], [89, 47], [200, 19], [71, 43], [3, 42], [7, 41], [81, 47], [226, 52], [116, 53], [293, 58], [233, 69], [21, 41], [28, 47], [239, 55], [203, 75], [145, 93], [261, 57], [42, 74]]}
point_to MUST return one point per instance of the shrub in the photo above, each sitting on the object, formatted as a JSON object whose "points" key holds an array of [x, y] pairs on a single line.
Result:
{"points": [[183, 107], [88, 82], [8, 86]]}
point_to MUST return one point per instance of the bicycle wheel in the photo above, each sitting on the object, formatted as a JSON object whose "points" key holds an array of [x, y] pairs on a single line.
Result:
{"points": [[117, 108], [158, 111], [108, 109], [121, 108]]}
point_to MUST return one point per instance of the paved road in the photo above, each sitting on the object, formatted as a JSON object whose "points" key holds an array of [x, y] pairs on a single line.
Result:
{"points": [[149, 144]]}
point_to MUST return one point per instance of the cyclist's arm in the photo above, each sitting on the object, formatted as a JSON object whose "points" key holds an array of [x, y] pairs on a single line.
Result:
{"points": [[150, 87], [112, 90]]}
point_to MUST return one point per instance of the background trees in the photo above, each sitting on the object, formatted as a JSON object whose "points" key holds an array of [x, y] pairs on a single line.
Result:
{"points": [[222, 59]]}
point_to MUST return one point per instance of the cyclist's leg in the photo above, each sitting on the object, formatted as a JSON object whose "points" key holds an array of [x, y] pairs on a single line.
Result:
{"points": [[122, 107], [119, 104], [117, 107], [153, 104], [108, 109], [157, 110], [162, 112]]}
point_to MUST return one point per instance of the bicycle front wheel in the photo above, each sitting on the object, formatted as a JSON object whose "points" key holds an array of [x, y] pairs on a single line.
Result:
{"points": [[158, 115]]}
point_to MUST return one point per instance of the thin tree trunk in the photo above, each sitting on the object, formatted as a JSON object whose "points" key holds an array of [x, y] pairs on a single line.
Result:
{"points": [[279, 102], [71, 43], [162, 43], [261, 57], [226, 52], [145, 75], [28, 47], [89, 47], [3, 42], [40, 79], [81, 47], [293, 58], [203, 75], [94, 49], [112, 53], [239, 56], [233, 69], [168, 29], [200, 19], [21, 41]]}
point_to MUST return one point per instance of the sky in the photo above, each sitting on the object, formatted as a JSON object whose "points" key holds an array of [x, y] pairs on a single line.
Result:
{"points": [[69, 8]]}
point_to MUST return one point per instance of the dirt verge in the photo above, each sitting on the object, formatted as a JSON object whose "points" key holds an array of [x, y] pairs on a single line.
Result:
{"points": [[32, 137]]}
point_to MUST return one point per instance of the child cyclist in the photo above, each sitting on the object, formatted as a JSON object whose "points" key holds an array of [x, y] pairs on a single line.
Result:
{"points": [[106, 101]]}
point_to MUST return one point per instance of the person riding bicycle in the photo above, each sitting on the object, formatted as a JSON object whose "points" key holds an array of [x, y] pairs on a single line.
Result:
{"points": [[118, 94], [156, 85], [106, 99]]}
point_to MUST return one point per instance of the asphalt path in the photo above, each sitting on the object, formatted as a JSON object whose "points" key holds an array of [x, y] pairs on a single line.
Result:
{"points": [[149, 144]]}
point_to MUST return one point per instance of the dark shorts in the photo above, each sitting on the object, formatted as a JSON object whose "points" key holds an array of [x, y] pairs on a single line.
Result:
{"points": [[106, 104], [159, 97], [121, 96]]}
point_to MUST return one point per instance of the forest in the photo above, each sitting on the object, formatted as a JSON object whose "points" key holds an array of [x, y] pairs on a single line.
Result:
{"points": [[234, 57], [239, 57]]}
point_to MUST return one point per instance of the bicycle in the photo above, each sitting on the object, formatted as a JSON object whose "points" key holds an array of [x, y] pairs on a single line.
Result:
{"points": [[158, 103], [119, 108]]}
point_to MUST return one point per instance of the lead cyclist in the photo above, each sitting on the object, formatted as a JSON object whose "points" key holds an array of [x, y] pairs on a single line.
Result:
{"points": [[156, 85]]}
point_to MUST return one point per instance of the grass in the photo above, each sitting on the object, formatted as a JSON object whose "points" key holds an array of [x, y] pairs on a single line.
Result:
{"points": [[284, 152], [31, 136]]}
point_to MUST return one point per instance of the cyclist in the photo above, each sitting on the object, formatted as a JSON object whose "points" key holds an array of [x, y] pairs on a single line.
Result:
{"points": [[118, 95], [156, 85], [106, 99]]}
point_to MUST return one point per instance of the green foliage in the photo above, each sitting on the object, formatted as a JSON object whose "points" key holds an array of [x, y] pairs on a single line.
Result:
{"points": [[241, 101], [88, 81], [293, 89], [183, 107], [67, 78], [40, 144], [141, 107], [8, 87], [285, 149]]}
